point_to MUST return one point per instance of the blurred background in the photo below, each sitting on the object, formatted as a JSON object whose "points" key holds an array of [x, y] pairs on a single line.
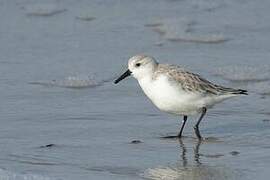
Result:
{"points": [[63, 118]]}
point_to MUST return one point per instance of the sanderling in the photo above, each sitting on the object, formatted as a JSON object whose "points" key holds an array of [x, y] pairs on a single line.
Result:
{"points": [[174, 90]]}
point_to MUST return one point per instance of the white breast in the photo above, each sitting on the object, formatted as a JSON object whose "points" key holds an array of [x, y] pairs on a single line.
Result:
{"points": [[168, 97]]}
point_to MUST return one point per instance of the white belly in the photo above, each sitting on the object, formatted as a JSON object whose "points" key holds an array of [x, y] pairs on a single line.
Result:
{"points": [[169, 98]]}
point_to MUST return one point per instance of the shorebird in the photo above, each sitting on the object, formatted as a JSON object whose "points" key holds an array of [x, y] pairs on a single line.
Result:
{"points": [[174, 90]]}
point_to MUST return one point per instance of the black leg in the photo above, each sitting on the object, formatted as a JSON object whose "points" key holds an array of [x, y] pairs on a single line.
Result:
{"points": [[182, 128], [196, 127]]}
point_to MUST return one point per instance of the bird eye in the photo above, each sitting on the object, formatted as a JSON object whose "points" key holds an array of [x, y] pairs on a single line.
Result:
{"points": [[138, 64]]}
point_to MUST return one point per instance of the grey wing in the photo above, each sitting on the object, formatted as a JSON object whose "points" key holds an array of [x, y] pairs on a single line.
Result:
{"points": [[195, 83]]}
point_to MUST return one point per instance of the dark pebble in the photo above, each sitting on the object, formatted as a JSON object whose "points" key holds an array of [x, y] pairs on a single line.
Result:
{"points": [[234, 153], [136, 142], [47, 146]]}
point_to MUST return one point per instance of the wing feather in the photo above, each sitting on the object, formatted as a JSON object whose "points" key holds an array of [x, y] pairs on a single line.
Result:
{"points": [[193, 82]]}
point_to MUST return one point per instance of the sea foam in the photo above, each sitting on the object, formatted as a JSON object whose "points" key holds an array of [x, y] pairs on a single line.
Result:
{"points": [[74, 82], [244, 73], [8, 175], [43, 9], [192, 172], [183, 30]]}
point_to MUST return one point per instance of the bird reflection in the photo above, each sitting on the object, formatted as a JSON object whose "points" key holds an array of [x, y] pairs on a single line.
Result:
{"points": [[196, 153], [189, 170], [184, 151]]}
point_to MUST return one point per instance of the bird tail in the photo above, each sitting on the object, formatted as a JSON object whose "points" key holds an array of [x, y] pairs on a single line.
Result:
{"points": [[231, 91], [240, 91]]}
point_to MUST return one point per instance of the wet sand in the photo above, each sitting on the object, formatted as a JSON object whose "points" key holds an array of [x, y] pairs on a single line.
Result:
{"points": [[63, 118]]}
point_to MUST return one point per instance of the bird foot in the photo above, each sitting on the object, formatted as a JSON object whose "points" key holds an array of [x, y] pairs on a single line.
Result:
{"points": [[172, 137]]}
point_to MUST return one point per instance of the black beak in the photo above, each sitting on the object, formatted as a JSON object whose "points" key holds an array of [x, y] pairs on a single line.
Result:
{"points": [[123, 76]]}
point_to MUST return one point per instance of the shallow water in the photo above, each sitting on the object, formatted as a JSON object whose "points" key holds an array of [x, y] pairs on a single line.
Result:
{"points": [[63, 118]]}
